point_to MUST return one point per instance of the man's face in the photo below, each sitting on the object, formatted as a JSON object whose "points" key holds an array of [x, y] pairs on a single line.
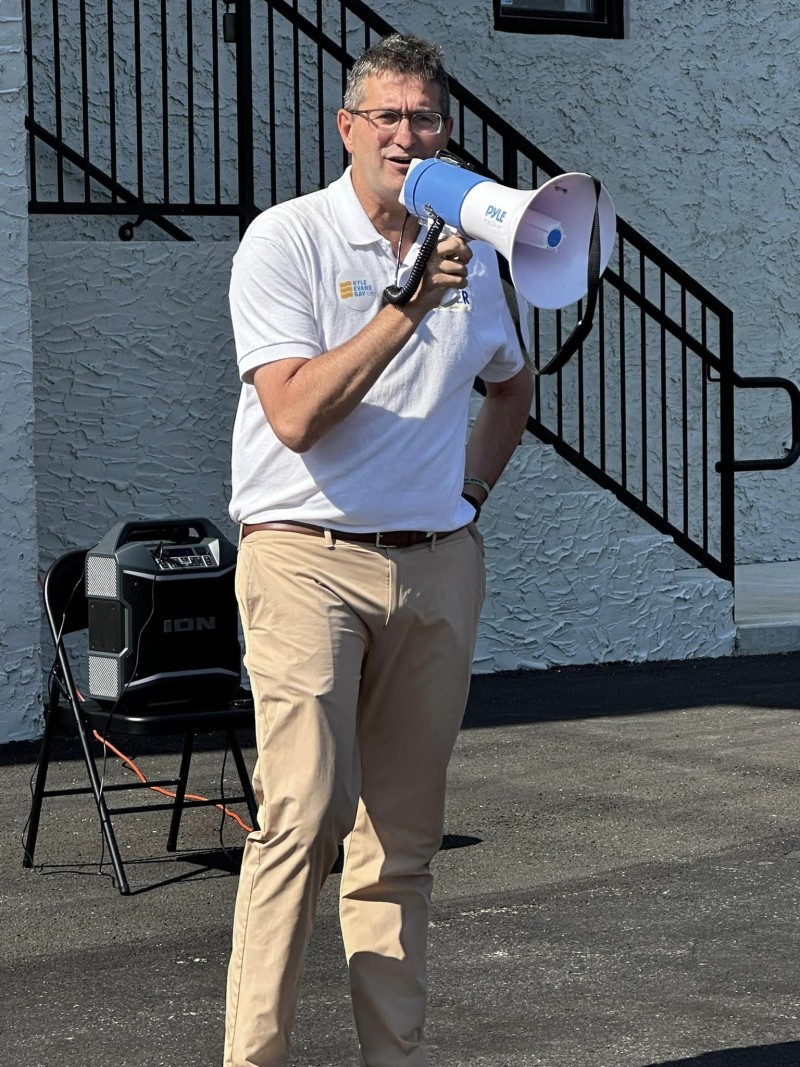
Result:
{"points": [[380, 159]]}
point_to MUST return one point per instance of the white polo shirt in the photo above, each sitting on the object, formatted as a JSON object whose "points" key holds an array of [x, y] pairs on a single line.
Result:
{"points": [[308, 275]]}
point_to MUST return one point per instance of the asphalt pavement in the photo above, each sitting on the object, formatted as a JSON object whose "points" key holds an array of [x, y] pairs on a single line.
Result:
{"points": [[618, 887]]}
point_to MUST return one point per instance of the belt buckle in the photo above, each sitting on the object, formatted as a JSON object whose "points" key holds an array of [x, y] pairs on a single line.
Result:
{"points": [[380, 543], [430, 537]]}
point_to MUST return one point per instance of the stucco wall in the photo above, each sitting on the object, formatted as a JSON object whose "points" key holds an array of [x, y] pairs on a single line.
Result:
{"points": [[136, 389], [135, 385], [19, 598], [574, 577], [690, 121]]}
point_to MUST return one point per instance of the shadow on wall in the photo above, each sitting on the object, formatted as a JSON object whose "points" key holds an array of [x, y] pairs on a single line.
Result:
{"points": [[511, 697], [783, 1055]]}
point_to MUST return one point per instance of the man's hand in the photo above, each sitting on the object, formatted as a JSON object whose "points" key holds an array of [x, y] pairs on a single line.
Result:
{"points": [[446, 269], [476, 536], [498, 427]]}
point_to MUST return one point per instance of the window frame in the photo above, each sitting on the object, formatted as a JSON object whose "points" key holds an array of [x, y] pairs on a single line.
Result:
{"points": [[610, 23]]}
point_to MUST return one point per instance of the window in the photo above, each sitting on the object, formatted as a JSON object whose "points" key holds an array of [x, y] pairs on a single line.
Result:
{"points": [[590, 18]]}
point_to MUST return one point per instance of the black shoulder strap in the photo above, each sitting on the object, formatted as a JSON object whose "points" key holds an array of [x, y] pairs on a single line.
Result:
{"points": [[581, 330]]}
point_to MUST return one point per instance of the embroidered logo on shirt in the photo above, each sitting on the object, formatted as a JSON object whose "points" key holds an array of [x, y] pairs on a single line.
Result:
{"points": [[355, 291], [461, 300]]}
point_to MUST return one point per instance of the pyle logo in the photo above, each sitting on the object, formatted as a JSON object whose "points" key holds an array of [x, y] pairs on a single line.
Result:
{"points": [[187, 626], [496, 214]]}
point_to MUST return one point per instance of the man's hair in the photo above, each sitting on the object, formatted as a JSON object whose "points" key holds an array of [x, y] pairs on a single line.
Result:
{"points": [[398, 54]]}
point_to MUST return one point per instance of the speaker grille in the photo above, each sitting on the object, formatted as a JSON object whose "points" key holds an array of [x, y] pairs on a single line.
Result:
{"points": [[101, 576], [104, 677]]}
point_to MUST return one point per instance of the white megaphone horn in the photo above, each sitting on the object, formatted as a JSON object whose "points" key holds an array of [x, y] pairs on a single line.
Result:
{"points": [[545, 234]]}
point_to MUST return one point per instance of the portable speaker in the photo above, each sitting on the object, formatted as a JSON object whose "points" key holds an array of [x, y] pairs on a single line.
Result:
{"points": [[163, 622]]}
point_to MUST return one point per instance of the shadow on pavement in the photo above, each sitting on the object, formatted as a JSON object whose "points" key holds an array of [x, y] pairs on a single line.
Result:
{"points": [[514, 697], [562, 693], [783, 1055]]}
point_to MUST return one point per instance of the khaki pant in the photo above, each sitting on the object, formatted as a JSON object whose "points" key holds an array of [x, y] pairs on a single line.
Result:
{"points": [[360, 661]]}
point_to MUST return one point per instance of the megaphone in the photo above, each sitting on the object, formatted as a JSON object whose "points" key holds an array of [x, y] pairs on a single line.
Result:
{"points": [[545, 234]]}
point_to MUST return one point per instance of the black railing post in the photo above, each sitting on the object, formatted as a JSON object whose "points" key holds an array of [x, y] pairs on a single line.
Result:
{"points": [[32, 161], [244, 112], [727, 422]]}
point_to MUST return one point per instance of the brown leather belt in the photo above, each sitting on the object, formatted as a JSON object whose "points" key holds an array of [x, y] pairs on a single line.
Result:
{"points": [[382, 539]]}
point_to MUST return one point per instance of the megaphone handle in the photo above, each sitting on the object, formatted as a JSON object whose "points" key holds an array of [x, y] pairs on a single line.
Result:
{"points": [[581, 330], [397, 295]]}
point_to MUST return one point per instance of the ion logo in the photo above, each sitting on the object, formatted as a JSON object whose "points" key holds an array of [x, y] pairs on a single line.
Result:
{"points": [[186, 626]]}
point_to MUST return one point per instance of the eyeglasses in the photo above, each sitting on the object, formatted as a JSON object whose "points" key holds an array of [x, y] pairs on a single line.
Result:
{"points": [[386, 121]]}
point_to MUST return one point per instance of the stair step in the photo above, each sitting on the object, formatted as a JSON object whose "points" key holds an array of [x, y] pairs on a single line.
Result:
{"points": [[767, 608]]}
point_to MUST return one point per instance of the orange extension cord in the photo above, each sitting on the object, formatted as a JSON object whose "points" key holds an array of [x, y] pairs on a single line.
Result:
{"points": [[166, 792]]}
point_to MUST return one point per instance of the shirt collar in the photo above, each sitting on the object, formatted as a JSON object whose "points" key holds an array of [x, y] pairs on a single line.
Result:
{"points": [[354, 223]]}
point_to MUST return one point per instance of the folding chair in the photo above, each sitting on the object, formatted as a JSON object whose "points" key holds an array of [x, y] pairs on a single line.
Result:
{"points": [[66, 609]]}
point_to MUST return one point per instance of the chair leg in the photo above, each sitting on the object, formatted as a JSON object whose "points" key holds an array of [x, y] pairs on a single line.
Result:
{"points": [[102, 809], [180, 793], [29, 842], [244, 777]]}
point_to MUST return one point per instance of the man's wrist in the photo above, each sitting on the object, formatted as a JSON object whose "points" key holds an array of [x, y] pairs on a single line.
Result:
{"points": [[477, 487]]}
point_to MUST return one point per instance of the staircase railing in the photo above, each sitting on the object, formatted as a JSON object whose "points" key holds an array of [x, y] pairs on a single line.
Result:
{"points": [[151, 112]]}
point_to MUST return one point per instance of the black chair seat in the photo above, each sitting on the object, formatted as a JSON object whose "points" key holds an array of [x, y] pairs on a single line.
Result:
{"points": [[173, 717]]}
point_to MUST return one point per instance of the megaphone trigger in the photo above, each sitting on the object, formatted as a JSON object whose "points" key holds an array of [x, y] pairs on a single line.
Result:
{"points": [[448, 231], [451, 296]]}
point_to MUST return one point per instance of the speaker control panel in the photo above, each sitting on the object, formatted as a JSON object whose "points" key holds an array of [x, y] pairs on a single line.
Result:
{"points": [[183, 558]]}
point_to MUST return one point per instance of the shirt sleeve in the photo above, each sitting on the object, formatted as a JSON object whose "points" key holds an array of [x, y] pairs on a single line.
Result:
{"points": [[271, 301]]}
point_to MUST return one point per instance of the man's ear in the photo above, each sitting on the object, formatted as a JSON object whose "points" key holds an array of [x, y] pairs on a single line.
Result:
{"points": [[344, 122]]}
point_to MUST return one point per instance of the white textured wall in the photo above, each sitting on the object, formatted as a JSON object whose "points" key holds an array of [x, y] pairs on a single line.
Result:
{"points": [[136, 385], [19, 596], [574, 577], [691, 122]]}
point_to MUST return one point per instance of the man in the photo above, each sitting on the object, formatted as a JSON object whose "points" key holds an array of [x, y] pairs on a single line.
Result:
{"points": [[360, 576]]}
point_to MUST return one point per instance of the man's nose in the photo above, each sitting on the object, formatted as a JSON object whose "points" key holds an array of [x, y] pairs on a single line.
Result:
{"points": [[404, 134]]}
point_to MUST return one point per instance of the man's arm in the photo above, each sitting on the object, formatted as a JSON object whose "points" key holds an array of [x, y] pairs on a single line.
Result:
{"points": [[498, 429], [304, 398]]}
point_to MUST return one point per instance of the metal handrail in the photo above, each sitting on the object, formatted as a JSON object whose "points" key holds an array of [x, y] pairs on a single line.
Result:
{"points": [[793, 452]]}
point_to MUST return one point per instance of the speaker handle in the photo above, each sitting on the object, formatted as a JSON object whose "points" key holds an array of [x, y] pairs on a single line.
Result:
{"points": [[170, 531], [583, 327]]}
